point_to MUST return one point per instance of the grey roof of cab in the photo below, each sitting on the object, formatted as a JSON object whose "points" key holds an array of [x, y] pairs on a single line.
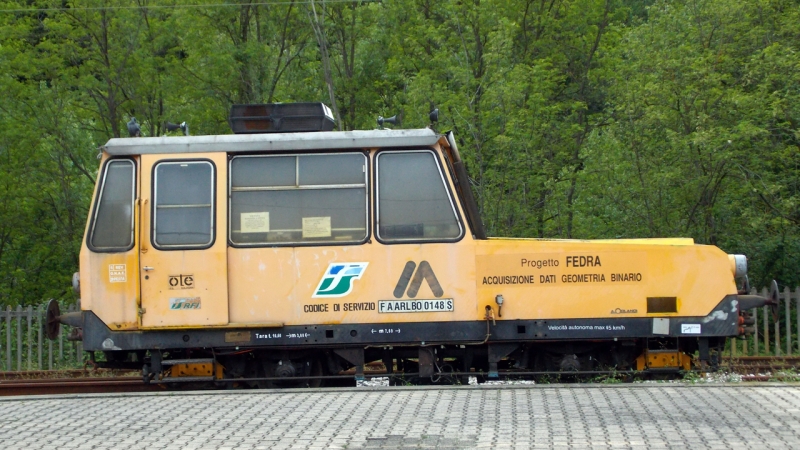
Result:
{"points": [[269, 142]]}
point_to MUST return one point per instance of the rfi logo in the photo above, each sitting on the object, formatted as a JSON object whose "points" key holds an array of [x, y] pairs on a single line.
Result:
{"points": [[181, 281], [337, 281], [184, 303]]}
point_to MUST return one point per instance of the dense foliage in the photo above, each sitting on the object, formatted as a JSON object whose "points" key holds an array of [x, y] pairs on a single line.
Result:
{"points": [[577, 118]]}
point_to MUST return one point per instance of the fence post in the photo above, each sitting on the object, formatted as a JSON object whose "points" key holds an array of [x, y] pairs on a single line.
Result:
{"points": [[788, 295], [755, 331], [797, 297], [39, 312], [28, 334], [8, 338], [60, 344], [19, 337], [49, 354], [764, 293], [2, 316], [778, 329]]}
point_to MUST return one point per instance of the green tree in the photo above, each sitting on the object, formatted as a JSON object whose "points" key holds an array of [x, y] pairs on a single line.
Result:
{"points": [[702, 139]]}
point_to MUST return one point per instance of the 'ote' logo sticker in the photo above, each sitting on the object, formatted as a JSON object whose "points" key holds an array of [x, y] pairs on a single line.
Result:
{"points": [[424, 271]]}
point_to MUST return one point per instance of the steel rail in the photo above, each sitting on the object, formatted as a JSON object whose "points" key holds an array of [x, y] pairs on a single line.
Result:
{"points": [[752, 368], [384, 374], [74, 386], [64, 374], [788, 359]]}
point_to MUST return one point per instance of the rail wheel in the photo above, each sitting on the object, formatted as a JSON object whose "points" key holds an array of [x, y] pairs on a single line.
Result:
{"points": [[288, 369]]}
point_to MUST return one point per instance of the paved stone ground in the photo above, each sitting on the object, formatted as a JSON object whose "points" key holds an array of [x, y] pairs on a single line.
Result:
{"points": [[577, 416]]}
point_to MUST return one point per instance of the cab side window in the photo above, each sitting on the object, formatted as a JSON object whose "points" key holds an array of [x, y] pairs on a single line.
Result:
{"points": [[183, 205], [112, 227], [298, 199], [413, 202]]}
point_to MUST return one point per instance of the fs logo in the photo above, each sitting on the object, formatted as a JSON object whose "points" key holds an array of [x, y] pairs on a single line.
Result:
{"points": [[184, 303], [337, 281], [423, 272]]}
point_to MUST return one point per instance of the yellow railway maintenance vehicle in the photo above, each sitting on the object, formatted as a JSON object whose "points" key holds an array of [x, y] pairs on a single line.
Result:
{"points": [[285, 253]]}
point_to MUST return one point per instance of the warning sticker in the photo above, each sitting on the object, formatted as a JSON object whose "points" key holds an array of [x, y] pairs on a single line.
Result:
{"points": [[117, 273]]}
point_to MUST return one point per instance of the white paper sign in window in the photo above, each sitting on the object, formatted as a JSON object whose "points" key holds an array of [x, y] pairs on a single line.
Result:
{"points": [[316, 227], [255, 222]]}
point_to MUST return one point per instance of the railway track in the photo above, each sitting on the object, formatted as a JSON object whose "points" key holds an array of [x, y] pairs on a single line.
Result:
{"points": [[67, 373], [55, 386], [764, 368], [795, 360], [73, 381], [752, 368], [760, 363]]}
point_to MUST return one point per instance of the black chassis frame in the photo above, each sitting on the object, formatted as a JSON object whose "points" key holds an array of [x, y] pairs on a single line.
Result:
{"points": [[721, 322]]}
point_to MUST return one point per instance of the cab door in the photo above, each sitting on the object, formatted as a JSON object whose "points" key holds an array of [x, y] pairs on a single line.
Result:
{"points": [[428, 252], [183, 262]]}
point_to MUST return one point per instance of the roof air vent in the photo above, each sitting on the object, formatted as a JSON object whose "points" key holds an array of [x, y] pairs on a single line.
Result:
{"points": [[280, 118]]}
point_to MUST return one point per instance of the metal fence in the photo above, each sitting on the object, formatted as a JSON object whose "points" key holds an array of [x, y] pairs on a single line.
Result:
{"points": [[27, 348], [773, 337]]}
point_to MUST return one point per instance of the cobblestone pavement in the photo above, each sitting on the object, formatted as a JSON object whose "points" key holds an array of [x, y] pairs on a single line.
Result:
{"points": [[576, 416]]}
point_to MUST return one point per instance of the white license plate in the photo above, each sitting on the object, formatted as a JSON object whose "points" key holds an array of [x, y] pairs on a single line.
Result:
{"points": [[412, 306]]}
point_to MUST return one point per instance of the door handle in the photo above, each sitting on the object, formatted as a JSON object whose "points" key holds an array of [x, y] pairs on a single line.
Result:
{"points": [[147, 268]]}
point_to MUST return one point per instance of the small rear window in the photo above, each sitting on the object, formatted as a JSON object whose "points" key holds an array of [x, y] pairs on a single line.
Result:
{"points": [[112, 227]]}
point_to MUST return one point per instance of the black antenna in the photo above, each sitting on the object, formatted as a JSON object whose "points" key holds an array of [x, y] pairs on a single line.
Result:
{"points": [[173, 126], [434, 115]]}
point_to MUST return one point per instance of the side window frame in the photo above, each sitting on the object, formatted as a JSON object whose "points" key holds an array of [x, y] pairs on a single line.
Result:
{"points": [[96, 209], [367, 203], [445, 183], [154, 204]]}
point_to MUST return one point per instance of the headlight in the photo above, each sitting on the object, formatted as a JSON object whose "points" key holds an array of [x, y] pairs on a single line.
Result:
{"points": [[738, 265], [76, 283]]}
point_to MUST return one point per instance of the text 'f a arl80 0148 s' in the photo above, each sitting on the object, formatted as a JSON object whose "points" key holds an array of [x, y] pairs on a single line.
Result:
{"points": [[287, 254]]}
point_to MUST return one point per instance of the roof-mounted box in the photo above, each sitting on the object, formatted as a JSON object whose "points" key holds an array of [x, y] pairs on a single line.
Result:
{"points": [[280, 118]]}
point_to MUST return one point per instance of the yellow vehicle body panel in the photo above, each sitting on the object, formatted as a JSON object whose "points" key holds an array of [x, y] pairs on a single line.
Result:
{"points": [[557, 279], [270, 285], [279, 284], [109, 281], [109, 287]]}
